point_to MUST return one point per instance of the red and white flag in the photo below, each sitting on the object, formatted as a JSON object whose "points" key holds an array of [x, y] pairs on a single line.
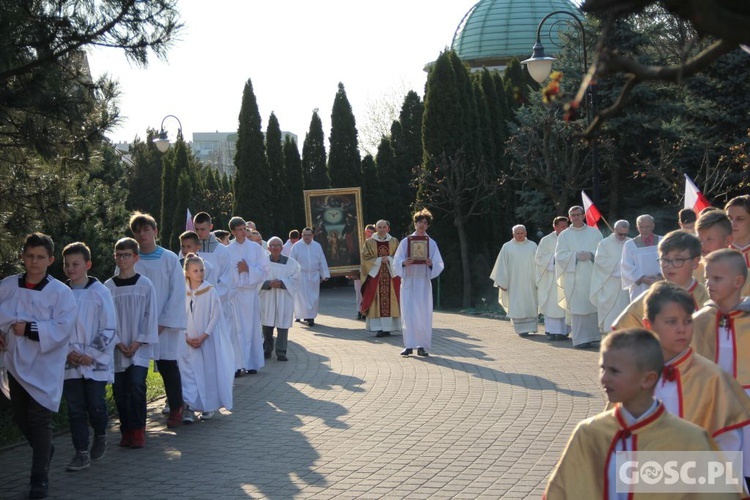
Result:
{"points": [[592, 213], [694, 199], [189, 221]]}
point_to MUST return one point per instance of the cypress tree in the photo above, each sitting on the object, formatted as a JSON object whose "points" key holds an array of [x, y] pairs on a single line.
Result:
{"points": [[388, 184], [293, 168], [314, 170], [278, 223], [406, 137], [184, 195], [168, 198], [251, 196], [144, 184], [344, 167], [371, 202]]}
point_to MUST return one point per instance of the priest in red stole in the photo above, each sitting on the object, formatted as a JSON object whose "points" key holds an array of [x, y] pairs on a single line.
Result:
{"points": [[380, 291]]}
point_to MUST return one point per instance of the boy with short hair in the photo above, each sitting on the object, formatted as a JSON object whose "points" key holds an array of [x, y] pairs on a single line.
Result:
{"points": [[631, 362], [162, 267], [691, 386], [134, 297], [223, 236], [715, 232], [191, 243], [722, 327], [37, 319], [679, 253], [90, 362], [249, 267], [738, 211]]}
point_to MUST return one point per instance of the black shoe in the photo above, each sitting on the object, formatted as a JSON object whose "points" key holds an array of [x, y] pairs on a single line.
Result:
{"points": [[252, 372], [524, 334], [99, 447], [422, 352], [281, 357], [238, 374], [39, 489], [381, 334], [407, 351], [298, 320], [310, 322], [585, 345], [359, 316]]}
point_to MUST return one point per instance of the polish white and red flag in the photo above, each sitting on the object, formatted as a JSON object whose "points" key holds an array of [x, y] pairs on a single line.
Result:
{"points": [[189, 221], [592, 213], [694, 199]]}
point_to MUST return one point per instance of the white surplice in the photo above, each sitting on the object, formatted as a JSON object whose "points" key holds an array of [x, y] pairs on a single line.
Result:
{"points": [[163, 268], [219, 275], [208, 371], [314, 267], [277, 304], [574, 277], [95, 333], [244, 304], [37, 365], [548, 292], [514, 273], [136, 308], [416, 294], [607, 293], [638, 262]]}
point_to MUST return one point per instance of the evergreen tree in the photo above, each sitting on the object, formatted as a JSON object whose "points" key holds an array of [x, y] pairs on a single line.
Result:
{"points": [[388, 185], [314, 170], [344, 167], [406, 139], [251, 194], [179, 218], [372, 207], [168, 198], [293, 168], [518, 83], [281, 215], [174, 204], [144, 182]]}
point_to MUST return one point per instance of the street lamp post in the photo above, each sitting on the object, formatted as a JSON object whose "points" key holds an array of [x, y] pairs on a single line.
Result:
{"points": [[162, 141], [540, 66]]}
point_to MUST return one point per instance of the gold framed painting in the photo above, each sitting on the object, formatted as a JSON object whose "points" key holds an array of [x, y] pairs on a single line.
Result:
{"points": [[335, 216]]}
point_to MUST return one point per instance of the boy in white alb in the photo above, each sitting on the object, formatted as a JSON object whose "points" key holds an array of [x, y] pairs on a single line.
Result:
{"points": [[37, 319], [162, 267], [137, 339], [90, 364], [249, 267]]}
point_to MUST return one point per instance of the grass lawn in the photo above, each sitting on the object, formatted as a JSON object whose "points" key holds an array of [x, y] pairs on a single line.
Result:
{"points": [[9, 433]]}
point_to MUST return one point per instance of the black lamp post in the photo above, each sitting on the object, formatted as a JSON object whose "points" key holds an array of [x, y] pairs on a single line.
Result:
{"points": [[162, 142], [540, 66]]}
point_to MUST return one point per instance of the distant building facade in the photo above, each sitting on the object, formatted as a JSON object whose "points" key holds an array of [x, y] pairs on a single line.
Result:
{"points": [[217, 149]]}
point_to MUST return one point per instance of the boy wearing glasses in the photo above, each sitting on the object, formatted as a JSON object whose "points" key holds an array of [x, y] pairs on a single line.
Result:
{"points": [[679, 254], [137, 334]]}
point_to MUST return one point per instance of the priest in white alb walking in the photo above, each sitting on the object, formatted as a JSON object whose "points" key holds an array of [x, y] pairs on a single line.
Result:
{"points": [[514, 274], [607, 293], [312, 260]]}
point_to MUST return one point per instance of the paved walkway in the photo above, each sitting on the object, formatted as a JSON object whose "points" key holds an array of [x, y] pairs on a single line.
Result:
{"points": [[485, 416]]}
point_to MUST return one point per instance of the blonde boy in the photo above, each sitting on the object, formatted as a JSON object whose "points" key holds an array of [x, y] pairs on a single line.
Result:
{"points": [[631, 362], [722, 327], [679, 253]]}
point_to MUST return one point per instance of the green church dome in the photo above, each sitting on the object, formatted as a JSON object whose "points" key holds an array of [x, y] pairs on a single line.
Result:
{"points": [[494, 31]]}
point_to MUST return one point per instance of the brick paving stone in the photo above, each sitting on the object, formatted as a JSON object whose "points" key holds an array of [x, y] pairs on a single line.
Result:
{"points": [[485, 416]]}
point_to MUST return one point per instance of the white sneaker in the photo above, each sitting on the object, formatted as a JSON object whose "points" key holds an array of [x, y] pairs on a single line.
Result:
{"points": [[188, 416], [165, 410], [207, 415]]}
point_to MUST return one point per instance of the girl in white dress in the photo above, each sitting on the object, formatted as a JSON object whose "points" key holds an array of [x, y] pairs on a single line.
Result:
{"points": [[206, 357]]}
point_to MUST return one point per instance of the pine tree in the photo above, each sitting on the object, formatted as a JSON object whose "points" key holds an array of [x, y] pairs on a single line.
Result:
{"points": [[172, 222], [184, 195], [168, 198], [388, 185], [251, 195], [314, 156], [278, 223], [293, 168], [344, 168]]}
